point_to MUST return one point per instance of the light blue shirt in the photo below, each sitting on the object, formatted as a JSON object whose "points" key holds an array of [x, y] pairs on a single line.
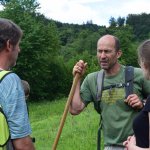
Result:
{"points": [[12, 100]]}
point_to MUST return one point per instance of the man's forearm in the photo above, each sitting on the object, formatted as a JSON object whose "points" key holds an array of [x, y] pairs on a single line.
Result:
{"points": [[76, 105], [23, 143]]}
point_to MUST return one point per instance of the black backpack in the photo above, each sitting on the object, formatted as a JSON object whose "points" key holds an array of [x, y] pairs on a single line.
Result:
{"points": [[129, 76]]}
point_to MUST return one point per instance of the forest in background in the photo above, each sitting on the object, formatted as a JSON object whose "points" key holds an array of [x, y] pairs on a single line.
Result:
{"points": [[49, 48]]}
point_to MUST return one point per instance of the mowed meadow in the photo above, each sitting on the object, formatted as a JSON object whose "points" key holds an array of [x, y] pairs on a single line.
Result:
{"points": [[79, 132]]}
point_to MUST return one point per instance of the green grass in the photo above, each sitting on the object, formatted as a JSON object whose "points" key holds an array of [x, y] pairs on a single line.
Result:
{"points": [[79, 132]]}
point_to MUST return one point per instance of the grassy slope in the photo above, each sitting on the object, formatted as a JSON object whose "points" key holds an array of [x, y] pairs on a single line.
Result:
{"points": [[79, 132]]}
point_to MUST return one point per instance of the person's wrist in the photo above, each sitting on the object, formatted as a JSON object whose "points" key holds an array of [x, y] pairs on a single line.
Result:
{"points": [[131, 146], [134, 147], [142, 103]]}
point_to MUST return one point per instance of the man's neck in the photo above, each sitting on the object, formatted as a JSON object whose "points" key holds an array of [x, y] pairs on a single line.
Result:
{"points": [[3, 67], [113, 71]]}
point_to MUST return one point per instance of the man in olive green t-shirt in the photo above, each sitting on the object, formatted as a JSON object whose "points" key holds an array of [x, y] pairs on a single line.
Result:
{"points": [[116, 111]]}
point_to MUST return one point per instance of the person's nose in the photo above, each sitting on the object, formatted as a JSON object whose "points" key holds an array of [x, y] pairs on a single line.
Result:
{"points": [[103, 55]]}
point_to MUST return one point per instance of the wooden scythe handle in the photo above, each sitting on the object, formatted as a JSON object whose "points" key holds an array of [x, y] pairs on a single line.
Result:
{"points": [[71, 94]]}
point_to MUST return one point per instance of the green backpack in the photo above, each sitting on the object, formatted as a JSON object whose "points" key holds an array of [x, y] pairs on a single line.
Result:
{"points": [[4, 129]]}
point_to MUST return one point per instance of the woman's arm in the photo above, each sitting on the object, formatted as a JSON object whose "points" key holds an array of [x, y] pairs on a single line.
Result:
{"points": [[130, 144]]}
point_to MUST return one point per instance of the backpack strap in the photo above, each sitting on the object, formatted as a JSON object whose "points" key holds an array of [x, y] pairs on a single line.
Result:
{"points": [[4, 129], [129, 77], [100, 81], [3, 73], [5, 135], [149, 127]]}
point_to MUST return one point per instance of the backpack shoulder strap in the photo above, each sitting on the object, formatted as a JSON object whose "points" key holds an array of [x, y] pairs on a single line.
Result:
{"points": [[129, 77], [100, 81], [3, 73], [100, 78], [149, 126], [4, 129]]}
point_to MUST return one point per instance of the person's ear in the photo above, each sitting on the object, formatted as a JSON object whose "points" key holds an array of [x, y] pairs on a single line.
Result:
{"points": [[8, 45], [145, 65], [119, 53]]}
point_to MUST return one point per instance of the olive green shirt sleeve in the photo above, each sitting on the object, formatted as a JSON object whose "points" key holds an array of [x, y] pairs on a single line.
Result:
{"points": [[89, 88]]}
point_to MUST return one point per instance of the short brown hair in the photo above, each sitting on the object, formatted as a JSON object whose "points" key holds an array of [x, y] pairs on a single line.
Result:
{"points": [[144, 56], [9, 31], [26, 88]]}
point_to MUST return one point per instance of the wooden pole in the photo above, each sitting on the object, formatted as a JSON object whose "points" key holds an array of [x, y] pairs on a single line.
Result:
{"points": [[71, 94]]}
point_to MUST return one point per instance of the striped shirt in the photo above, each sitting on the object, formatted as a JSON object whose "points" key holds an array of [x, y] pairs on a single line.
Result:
{"points": [[12, 100]]}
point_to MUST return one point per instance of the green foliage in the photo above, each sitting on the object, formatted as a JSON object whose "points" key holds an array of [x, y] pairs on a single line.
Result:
{"points": [[4, 2], [112, 22], [140, 24], [59, 81], [49, 49], [127, 42], [39, 46], [20, 6], [120, 21]]}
